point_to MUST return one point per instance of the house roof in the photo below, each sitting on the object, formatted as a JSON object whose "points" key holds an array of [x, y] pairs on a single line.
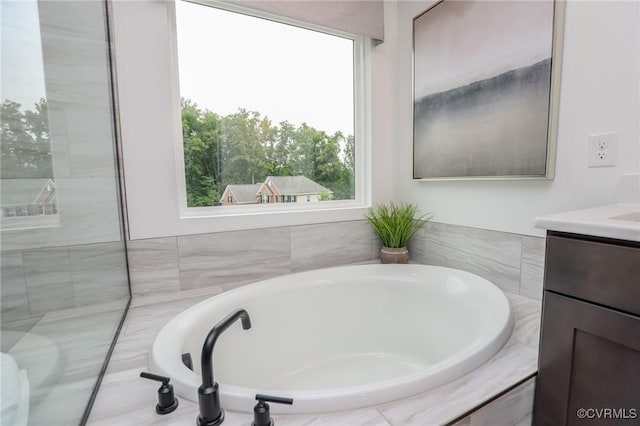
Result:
{"points": [[243, 193], [295, 185], [22, 191]]}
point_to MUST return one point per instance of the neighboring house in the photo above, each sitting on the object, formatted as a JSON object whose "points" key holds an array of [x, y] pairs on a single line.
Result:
{"points": [[290, 189], [240, 194], [275, 189], [28, 197]]}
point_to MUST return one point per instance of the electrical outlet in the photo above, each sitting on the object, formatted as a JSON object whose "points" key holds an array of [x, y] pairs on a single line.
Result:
{"points": [[602, 149]]}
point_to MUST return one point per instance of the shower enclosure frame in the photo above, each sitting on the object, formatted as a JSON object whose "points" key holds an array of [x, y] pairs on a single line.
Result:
{"points": [[122, 200]]}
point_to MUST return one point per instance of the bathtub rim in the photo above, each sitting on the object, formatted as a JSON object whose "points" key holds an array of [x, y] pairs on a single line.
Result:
{"points": [[341, 398]]}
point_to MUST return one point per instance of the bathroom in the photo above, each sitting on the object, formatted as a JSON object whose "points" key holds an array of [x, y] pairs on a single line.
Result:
{"points": [[85, 292]]}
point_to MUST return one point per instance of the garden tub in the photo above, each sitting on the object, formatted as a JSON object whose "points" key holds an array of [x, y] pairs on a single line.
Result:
{"points": [[339, 338]]}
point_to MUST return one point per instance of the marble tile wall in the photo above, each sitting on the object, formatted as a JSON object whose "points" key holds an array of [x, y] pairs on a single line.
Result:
{"points": [[13, 288], [511, 261], [321, 246], [47, 275], [41, 281], [230, 259]]}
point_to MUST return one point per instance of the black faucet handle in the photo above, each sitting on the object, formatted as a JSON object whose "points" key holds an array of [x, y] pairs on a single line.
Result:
{"points": [[261, 415], [157, 378], [276, 399], [167, 402]]}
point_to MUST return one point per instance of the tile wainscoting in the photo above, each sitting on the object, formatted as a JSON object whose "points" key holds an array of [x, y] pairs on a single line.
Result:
{"points": [[229, 259], [36, 282], [513, 262]]}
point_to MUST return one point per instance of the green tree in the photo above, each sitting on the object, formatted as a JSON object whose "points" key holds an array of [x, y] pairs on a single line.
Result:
{"points": [[26, 148], [303, 151], [278, 152], [245, 147], [326, 160], [326, 195], [201, 135], [243, 156], [345, 186]]}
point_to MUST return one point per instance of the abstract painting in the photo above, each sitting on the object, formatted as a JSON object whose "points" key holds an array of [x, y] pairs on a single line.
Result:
{"points": [[483, 90]]}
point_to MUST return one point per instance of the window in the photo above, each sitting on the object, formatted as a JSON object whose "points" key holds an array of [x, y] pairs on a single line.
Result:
{"points": [[265, 101]]}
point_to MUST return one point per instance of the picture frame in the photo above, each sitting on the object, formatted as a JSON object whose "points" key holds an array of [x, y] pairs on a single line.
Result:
{"points": [[486, 87]]}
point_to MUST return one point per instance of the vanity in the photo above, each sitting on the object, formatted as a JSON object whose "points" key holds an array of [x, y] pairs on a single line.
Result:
{"points": [[589, 360]]}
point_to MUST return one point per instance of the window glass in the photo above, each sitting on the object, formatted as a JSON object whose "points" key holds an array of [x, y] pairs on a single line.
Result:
{"points": [[263, 101], [27, 182]]}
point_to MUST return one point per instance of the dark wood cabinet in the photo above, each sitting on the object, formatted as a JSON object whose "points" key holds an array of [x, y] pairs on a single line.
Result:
{"points": [[589, 365]]}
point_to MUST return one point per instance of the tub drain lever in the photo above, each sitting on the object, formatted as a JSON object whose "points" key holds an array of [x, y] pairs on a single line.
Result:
{"points": [[261, 416], [167, 402]]}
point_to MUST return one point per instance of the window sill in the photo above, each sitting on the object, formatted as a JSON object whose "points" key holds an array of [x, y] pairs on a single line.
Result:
{"points": [[201, 221], [258, 210]]}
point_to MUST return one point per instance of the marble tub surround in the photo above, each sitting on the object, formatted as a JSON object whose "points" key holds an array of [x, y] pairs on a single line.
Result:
{"points": [[233, 258], [153, 265], [229, 259], [513, 262], [515, 408], [532, 267], [125, 399]]}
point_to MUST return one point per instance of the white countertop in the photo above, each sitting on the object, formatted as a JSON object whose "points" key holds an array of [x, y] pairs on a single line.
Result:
{"points": [[618, 221]]}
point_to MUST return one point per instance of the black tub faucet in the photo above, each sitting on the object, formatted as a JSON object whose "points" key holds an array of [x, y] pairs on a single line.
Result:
{"points": [[211, 413]]}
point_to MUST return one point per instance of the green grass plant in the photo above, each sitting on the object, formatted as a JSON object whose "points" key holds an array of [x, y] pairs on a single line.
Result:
{"points": [[395, 224]]}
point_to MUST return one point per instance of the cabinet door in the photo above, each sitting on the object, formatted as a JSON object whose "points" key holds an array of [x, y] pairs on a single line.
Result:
{"points": [[589, 359]]}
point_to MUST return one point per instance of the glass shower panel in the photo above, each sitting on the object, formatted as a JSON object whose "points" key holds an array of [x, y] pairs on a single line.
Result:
{"points": [[63, 284]]}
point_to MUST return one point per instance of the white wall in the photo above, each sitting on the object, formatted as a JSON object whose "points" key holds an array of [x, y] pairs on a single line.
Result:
{"points": [[600, 92]]}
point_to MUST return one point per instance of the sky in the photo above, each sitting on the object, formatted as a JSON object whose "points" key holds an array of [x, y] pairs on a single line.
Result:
{"points": [[21, 53], [229, 61], [272, 68]]}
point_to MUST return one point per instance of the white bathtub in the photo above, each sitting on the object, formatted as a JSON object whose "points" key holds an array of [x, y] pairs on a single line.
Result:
{"points": [[340, 338]]}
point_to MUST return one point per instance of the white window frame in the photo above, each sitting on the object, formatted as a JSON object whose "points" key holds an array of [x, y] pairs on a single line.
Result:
{"points": [[362, 132], [150, 127]]}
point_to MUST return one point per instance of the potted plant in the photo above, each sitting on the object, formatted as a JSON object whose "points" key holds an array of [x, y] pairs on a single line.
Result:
{"points": [[395, 224]]}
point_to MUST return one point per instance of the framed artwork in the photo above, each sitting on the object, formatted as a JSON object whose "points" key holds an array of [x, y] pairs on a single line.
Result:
{"points": [[486, 80]]}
